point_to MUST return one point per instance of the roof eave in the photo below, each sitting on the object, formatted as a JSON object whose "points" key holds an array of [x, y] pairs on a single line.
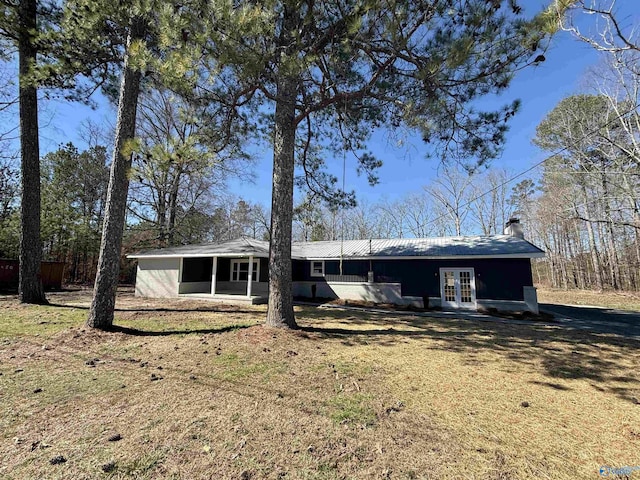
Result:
{"points": [[431, 257], [201, 255]]}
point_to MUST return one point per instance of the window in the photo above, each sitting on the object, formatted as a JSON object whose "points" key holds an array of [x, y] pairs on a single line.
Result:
{"points": [[317, 268], [240, 271]]}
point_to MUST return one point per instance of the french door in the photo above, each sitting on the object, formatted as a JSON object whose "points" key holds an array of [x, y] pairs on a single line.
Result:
{"points": [[458, 287]]}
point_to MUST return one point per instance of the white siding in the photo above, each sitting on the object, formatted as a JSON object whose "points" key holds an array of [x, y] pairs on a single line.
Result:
{"points": [[157, 277]]}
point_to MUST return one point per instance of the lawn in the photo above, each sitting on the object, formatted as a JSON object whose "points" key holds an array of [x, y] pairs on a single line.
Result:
{"points": [[607, 299], [198, 390]]}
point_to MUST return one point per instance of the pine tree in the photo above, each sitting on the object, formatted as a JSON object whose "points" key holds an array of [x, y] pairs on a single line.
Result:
{"points": [[158, 38], [335, 70]]}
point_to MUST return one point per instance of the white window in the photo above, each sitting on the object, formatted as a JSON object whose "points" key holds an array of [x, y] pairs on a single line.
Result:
{"points": [[240, 270], [317, 268]]}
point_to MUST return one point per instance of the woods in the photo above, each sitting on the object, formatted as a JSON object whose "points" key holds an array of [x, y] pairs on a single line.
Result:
{"points": [[195, 84]]}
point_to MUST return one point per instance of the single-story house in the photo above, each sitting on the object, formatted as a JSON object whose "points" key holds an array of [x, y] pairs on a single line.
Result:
{"points": [[450, 272]]}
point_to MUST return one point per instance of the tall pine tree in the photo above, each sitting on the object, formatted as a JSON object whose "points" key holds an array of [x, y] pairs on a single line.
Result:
{"points": [[328, 73], [157, 38]]}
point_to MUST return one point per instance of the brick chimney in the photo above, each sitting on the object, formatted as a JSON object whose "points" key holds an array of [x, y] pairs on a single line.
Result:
{"points": [[514, 228]]}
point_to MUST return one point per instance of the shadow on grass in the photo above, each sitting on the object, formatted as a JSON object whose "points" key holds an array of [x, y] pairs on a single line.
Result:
{"points": [[559, 352], [213, 309], [136, 332]]}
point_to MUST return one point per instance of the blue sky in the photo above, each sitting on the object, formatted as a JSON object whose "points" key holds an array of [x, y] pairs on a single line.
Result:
{"points": [[406, 168]]}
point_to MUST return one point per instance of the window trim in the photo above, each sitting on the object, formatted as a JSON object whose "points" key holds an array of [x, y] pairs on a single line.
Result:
{"points": [[317, 274], [238, 261]]}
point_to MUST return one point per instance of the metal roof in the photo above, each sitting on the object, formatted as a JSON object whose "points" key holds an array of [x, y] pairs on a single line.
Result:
{"points": [[241, 247], [442, 247], [485, 246]]}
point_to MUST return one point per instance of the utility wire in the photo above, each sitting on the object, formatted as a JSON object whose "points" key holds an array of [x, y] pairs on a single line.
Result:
{"points": [[544, 160]]}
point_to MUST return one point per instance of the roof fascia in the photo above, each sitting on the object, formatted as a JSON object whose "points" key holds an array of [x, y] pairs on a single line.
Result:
{"points": [[370, 257], [434, 257], [199, 255]]}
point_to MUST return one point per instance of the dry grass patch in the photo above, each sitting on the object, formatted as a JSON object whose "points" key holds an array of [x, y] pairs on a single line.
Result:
{"points": [[197, 390], [608, 299]]}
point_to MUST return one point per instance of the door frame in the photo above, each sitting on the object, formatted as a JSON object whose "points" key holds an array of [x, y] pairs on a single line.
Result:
{"points": [[457, 303]]}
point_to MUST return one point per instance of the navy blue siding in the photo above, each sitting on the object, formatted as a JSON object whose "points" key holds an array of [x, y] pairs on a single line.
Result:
{"points": [[302, 269], [496, 279], [298, 270]]}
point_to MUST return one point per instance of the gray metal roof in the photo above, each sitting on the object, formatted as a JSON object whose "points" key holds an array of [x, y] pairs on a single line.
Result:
{"points": [[241, 247], [476, 246], [485, 246]]}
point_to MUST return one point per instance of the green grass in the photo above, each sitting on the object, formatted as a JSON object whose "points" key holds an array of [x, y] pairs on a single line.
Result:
{"points": [[234, 367], [41, 321], [354, 409]]}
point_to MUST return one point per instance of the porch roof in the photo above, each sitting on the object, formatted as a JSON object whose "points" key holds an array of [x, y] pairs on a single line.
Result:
{"points": [[241, 247]]}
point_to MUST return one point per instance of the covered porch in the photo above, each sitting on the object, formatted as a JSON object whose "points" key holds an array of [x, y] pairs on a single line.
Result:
{"points": [[224, 278]]}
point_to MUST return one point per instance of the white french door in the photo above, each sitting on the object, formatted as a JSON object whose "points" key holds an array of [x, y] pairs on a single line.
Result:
{"points": [[458, 287]]}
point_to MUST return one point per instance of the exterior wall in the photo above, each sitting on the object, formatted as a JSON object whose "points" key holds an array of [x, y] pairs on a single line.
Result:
{"points": [[372, 292], [499, 279], [302, 269], [531, 299], [500, 283], [157, 277], [264, 270], [507, 305]]}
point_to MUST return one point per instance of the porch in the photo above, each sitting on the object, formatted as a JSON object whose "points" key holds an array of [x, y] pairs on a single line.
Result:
{"points": [[226, 279], [229, 298]]}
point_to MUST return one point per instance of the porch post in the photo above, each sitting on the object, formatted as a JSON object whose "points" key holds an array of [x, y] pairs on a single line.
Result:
{"points": [[250, 277], [214, 270]]}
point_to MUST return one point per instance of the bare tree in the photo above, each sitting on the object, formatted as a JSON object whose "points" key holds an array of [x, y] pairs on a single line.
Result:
{"points": [[392, 218], [180, 165], [606, 29], [452, 194], [419, 214], [490, 206]]}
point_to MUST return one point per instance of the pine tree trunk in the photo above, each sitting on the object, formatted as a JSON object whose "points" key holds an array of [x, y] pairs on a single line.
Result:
{"points": [[280, 309], [30, 283], [104, 293]]}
